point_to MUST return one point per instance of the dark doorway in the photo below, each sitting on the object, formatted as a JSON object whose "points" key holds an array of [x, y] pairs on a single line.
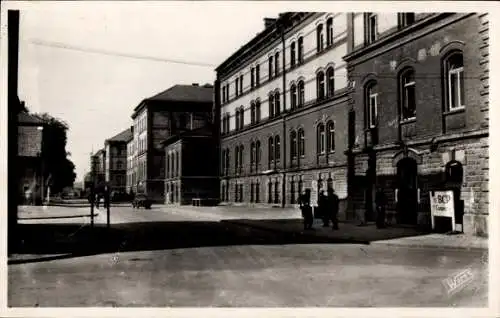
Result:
{"points": [[407, 191]]}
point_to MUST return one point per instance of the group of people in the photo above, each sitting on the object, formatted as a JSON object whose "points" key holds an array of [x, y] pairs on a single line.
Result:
{"points": [[328, 208]]}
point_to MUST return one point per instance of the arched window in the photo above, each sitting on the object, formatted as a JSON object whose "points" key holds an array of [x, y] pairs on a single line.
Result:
{"points": [[271, 69], [251, 192], [227, 161], [330, 140], [257, 192], [237, 119], [319, 38], [242, 117], [371, 105], [321, 139], [329, 32], [293, 145], [252, 155], [252, 113], [276, 64], [236, 159], [292, 54], [177, 164], [408, 108], [270, 153], [277, 105], [277, 148], [257, 111], [300, 50], [257, 153], [292, 192], [454, 66], [271, 105], [301, 141], [320, 85], [270, 192], [241, 158], [293, 96], [276, 192], [301, 100], [330, 78]]}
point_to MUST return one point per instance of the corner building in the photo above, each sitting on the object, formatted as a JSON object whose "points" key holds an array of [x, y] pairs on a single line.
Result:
{"points": [[419, 113], [282, 104]]}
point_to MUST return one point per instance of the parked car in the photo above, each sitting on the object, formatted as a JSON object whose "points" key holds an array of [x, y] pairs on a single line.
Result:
{"points": [[141, 200]]}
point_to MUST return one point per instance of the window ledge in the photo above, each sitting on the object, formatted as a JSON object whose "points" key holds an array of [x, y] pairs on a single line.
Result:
{"points": [[408, 120], [455, 111]]}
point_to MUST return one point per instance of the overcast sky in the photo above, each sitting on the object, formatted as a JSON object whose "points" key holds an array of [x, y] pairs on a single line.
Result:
{"points": [[95, 93]]}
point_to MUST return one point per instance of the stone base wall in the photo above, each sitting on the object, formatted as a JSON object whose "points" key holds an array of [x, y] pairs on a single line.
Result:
{"points": [[471, 153]]}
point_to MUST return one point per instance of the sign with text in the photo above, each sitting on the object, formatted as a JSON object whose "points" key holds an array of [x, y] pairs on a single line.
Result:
{"points": [[314, 193], [443, 205]]}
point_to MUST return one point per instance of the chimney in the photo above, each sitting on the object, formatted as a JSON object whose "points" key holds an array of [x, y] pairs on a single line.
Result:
{"points": [[269, 22], [196, 84]]}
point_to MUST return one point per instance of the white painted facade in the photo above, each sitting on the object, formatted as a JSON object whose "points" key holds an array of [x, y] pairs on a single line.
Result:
{"points": [[330, 56]]}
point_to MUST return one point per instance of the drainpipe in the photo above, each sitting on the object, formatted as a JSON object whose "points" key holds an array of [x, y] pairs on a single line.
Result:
{"points": [[283, 187]]}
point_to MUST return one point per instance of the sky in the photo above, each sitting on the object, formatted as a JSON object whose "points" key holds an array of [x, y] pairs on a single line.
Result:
{"points": [[96, 93], [60, 73]]}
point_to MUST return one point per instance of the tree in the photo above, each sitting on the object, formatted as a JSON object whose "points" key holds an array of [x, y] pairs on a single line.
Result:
{"points": [[57, 166]]}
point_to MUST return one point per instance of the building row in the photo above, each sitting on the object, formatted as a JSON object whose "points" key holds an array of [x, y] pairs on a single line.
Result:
{"points": [[158, 155], [358, 101]]}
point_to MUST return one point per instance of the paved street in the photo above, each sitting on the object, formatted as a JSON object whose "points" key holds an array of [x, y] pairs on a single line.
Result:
{"points": [[191, 259]]}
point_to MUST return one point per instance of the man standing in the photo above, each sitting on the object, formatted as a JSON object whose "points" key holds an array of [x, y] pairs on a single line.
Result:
{"points": [[323, 208], [306, 209], [333, 208]]}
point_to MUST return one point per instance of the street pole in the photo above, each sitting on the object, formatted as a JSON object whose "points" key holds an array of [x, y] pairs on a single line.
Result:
{"points": [[283, 187]]}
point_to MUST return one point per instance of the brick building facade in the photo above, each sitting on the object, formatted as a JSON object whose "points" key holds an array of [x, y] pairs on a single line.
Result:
{"points": [[178, 109], [282, 111], [419, 113]]}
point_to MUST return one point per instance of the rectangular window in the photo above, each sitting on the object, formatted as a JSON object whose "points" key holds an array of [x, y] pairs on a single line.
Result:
{"points": [[252, 77], [257, 74], [456, 88], [406, 19], [373, 110], [292, 54], [236, 87], [276, 64], [372, 27], [271, 67], [300, 50], [409, 102], [241, 84]]}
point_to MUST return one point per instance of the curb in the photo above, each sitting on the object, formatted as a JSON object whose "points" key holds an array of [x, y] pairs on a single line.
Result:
{"points": [[356, 241], [426, 246]]}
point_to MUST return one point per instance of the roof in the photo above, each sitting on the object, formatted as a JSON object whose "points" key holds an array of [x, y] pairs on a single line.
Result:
{"points": [[26, 118], [202, 131], [124, 136]]}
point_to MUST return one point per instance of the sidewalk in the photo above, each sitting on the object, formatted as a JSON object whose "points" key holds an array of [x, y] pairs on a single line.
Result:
{"points": [[369, 234]]}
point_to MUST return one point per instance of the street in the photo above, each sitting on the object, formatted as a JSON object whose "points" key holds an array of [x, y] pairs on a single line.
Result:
{"points": [[186, 257]]}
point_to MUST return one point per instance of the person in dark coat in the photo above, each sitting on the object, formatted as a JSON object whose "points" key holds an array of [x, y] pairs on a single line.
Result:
{"points": [[333, 208], [323, 208], [380, 202], [306, 209]]}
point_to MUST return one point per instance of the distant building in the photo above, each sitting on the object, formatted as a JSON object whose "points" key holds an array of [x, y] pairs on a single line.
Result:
{"points": [[115, 163], [131, 163], [29, 161], [99, 159], [191, 167], [178, 109]]}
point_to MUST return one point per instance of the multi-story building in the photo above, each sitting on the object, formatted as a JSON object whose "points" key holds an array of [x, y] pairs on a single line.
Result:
{"points": [[186, 177], [99, 161], [131, 151], [419, 113], [283, 107], [178, 109], [115, 167]]}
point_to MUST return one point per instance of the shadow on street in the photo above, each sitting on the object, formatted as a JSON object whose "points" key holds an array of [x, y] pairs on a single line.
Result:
{"points": [[73, 240]]}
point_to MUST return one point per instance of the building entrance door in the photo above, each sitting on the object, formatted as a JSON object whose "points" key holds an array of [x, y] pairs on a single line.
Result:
{"points": [[407, 206]]}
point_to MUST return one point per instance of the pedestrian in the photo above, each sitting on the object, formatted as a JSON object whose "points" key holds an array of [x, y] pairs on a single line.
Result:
{"points": [[323, 208], [333, 208], [306, 209], [380, 202]]}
